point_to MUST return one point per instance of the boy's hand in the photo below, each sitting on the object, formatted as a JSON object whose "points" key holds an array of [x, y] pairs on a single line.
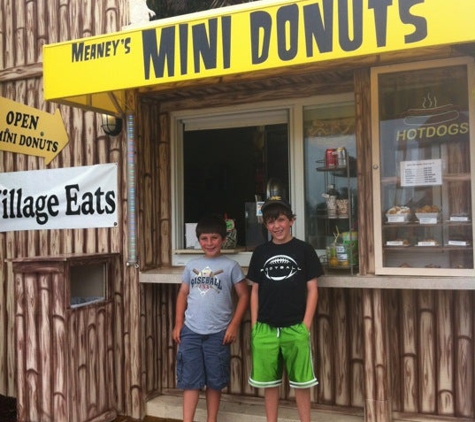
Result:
{"points": [[176, 333], [230, 335]]}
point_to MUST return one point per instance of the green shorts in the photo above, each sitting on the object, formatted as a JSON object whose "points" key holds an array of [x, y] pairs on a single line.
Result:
{"points": [[272, 348]]}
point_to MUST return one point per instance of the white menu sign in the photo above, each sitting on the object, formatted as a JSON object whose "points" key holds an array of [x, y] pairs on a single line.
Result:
{"points": [[421, 173]]}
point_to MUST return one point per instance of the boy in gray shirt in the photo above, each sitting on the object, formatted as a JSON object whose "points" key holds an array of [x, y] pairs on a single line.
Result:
{"points": [[205, 324]]}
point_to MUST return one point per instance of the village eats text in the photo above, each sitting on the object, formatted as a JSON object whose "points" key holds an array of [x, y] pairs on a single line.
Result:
{"points": [[325, 25], [15, 205], [60, 198]]}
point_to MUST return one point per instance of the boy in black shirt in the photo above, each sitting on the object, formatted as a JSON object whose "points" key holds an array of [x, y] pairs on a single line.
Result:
{"points": [[284, 298]]}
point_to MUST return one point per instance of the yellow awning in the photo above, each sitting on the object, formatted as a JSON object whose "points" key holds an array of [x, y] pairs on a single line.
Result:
{"points": [[95, 72]]}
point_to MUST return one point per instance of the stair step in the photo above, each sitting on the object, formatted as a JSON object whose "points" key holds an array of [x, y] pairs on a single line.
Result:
{"points": [[241, 409]]}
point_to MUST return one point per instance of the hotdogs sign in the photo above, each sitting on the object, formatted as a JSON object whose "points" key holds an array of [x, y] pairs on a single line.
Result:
{"points": [[252, 37], [65, 198]]}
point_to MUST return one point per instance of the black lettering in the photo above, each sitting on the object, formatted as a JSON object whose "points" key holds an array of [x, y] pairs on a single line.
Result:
{"points": [[183, 34], [40, 205], [419, 23], [33, 122], [226, 27], [7, 136], [108, 48], [346, 43], [10, 117], [18, 203], [205, 47], [99, 194], [151, 54], [12, 203], [287, 15], [94, 51], [4, 204], [18, 118], [87, 52], [77, 52], [87, 205], [72, 199], [110, 201], [53, 202], [100, 50], [126, 43], [29, 207], [317, 29], [260, 22], [24, 120], [380, 19]]}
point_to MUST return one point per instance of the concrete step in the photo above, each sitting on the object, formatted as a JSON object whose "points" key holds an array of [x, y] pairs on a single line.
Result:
{"points": [[241, 409]]}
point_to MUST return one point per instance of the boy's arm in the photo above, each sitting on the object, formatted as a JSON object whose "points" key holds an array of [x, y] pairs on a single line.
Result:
{"points": [[242, 292], [312, 299], [254, 303], [180, 311]]}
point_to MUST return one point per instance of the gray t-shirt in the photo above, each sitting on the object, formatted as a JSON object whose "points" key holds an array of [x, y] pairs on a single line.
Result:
{"points": [[210, 305]]}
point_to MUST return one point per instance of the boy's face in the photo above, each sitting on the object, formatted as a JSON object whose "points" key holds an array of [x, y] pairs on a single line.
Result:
{"points": [[211, 244], [280, 229]]}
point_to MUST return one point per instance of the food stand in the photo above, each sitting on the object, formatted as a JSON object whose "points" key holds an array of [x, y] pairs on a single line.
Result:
{"points": [[392, 84]]}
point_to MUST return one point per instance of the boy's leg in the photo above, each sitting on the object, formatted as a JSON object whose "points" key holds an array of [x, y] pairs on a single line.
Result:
{"points": [[213, 398], [217, 360], [190, 401], [217, 366], [297, 353], [267, 364], [302, 397], [190, 371], [271, 399]]}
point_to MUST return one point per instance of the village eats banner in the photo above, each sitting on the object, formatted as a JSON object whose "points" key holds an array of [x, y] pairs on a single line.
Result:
{"points": [[252, 37], [65, 198]]}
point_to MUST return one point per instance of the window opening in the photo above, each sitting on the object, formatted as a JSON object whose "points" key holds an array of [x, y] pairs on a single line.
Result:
{"points": [[226, 170]]}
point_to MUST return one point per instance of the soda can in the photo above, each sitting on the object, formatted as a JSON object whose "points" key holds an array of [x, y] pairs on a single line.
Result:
{"points": [[331, 158], [341, 157]]}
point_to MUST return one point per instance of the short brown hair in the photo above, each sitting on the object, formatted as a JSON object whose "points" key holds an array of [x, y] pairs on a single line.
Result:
{"points": [[274, 211], [211, 224]]}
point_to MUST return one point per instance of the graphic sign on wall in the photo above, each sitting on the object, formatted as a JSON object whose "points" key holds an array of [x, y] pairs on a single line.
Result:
{"points": [[64, 198]]}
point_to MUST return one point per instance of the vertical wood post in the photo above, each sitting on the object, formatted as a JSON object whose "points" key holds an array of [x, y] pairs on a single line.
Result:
{"points": [[377, 395]]}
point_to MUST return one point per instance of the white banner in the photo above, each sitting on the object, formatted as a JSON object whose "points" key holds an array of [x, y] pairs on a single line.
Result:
{"points": [[66, 198]]}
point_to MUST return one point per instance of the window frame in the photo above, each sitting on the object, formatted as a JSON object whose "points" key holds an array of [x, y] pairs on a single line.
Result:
{"points": [[294, 109], [376, 72]]}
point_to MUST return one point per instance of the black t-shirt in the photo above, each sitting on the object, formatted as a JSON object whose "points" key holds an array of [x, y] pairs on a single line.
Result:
{"points": [[282, 272]]}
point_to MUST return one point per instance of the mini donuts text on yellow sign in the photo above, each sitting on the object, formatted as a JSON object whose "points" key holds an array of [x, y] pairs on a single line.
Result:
{"points": [[249, 38]]}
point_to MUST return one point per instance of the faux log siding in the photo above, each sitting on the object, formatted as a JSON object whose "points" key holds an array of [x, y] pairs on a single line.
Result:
{"points": [[428, 368], [464, 352], [363, 169], [153, 186], [63, 354], [25, 26]]}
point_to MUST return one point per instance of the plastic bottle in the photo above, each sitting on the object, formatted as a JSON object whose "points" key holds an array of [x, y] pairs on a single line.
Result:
{"points": [[330, 197]]}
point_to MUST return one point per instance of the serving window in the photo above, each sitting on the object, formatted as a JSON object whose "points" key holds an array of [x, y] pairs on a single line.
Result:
{"points": [[423, 169]]}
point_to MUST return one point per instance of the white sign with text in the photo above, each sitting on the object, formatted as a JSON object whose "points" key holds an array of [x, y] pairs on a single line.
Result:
{"points": [[421, 173], [65, 198]]}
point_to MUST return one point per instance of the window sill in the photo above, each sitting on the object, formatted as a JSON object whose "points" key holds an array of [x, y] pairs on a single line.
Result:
{"points": [[172, 275]]}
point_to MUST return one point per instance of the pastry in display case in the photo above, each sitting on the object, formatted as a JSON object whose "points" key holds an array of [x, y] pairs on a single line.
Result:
{"points": [[424, 173]]}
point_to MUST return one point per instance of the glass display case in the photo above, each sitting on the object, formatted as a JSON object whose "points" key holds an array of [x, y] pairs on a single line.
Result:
{"points": [[331, 185], [338, 216], [423, 169]]}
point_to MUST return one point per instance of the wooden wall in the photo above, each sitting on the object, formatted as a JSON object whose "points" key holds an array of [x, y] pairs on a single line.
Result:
{"points": [[65, 355], [25, 26]]}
